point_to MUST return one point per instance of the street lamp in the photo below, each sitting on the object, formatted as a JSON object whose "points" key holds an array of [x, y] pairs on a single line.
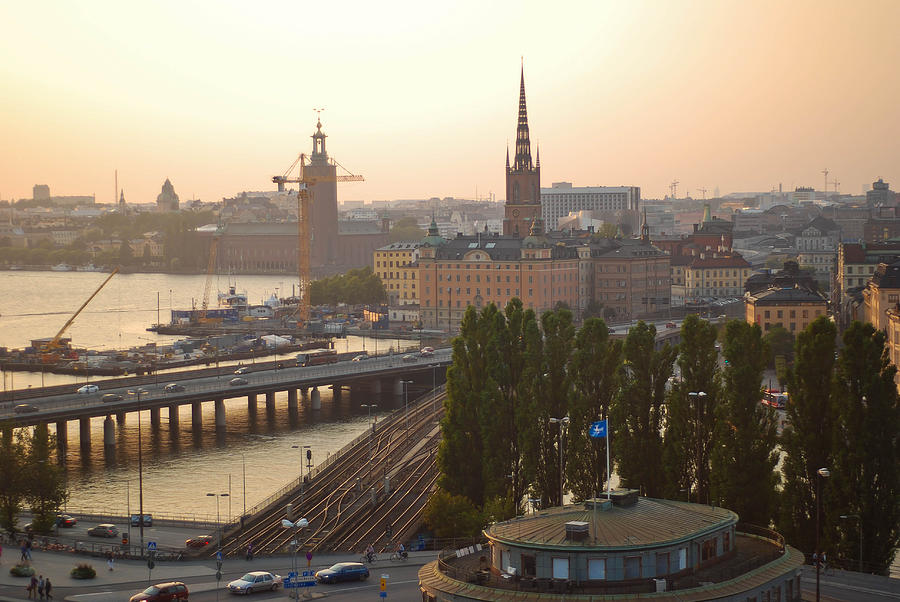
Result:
{"points": [[822, 473], [859, 523], [406, 384], [561, 422], [139, 393], [295, 527], [218, 524], [697, 397]]}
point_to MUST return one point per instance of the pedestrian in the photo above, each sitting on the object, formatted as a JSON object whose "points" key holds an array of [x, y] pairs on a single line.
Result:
{"points": [[32, 586], [24, 552], [28, 548], [41, 587], [109, 560], [47, 587], [250, 551], [824, 563]]}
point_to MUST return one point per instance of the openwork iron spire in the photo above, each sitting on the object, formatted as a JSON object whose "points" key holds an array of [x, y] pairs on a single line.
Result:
{"points": [[523, 141]]}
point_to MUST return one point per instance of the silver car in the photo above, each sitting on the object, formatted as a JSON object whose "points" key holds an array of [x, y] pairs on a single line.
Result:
{"points": [[255, 581]]}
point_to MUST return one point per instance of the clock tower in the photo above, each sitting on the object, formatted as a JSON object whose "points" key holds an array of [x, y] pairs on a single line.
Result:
{"points": [[523, 180]]}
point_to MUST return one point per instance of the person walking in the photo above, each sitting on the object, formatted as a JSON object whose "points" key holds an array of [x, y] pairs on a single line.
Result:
{"points": [[47, 587], [32, 587], [250, 551], [41, 587], [24, 552], [109, 560], [28, 548]]}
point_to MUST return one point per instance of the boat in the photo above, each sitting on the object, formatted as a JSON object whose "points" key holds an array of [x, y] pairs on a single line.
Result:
{"points": [[61, 267], [89, 268]]}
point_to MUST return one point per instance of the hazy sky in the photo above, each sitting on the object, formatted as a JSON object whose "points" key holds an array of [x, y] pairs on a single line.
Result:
{"points": [[421, 97]]}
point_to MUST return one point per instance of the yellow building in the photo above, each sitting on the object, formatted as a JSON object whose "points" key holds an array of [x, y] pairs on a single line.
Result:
{"points": [[792, 308], [882, 293], [720, 274], [394, 264]]}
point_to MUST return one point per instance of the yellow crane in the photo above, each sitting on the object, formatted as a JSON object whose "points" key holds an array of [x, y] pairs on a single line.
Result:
{"points": [[210, 270], [51, 348], [304, 183]]}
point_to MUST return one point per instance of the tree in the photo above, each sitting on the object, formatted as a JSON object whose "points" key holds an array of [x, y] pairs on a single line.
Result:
{"points": [[606, 230], [806, 440], [593, 309], [866, 452], [594, 368], [691, 416], [45, 490], [744, 456], [126, 255], [13, 479], [639, 409], [451, 515], [406, 228], [780, 342]]}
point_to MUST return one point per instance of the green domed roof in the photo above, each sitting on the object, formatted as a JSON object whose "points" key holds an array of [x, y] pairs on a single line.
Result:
{"points": [[433, 238]]}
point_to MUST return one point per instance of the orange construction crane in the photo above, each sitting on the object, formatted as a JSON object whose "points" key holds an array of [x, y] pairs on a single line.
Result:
{"points": [[304, 183]]}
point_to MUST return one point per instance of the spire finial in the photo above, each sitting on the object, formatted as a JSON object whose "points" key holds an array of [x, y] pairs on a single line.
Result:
{"points": [[523, 142]]}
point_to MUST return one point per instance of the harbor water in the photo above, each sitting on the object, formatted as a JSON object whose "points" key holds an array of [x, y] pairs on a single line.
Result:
{"points": [[262, 451]]}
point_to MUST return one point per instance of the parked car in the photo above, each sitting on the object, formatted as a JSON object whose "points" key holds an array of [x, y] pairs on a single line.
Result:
{"points": [[243, 370], [111, 397], [87, 389], [173, 388], [162, 592], [343, 571], [671, 325], [429, 349], [64, 520], [104, 530], [255, 581], [199, 541], [25, 408], [360, 357], [409, 358], [236, 382], [426, 353], [136, 522]]}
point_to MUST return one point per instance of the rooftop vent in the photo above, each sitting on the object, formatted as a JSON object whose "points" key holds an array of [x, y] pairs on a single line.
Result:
{"points": [[577, 530], [624, 497]]}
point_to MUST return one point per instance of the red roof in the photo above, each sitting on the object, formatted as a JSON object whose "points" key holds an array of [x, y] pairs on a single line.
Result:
{"points": [[733, 261]]}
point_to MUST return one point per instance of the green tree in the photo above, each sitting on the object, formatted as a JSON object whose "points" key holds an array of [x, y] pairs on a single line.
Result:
{"points": [[46, 490], [593, 309], [806, 440], [639, 409], [406, 228], [451, 515], [594, 368], [692, 411], [13, 479], [781, 343], [744, 455], [126, 255], [866, 452]]}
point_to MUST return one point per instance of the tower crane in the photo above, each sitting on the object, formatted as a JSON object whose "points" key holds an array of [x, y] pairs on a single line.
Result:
{"points": [[210, 270], [674, 188], [304, 199]]}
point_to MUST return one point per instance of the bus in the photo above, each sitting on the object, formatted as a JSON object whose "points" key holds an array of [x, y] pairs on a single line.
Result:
{"points": [[775, 398], [317, 358]]}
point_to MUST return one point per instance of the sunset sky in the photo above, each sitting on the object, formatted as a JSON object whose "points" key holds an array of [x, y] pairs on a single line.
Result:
{"points": [[421, 97]]}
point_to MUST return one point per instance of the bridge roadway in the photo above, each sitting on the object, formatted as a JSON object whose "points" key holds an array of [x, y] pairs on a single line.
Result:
{"points": [[377, 374], [373, 491]]}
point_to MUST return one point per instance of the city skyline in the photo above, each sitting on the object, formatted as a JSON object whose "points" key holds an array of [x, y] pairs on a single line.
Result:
{"points": [[421, 100]]}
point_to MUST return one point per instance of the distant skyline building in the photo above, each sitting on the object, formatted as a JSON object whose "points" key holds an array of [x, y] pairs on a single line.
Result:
{"points": [[523, 179], [562, 199], [323, 210], [167, 200], [881, 194]]}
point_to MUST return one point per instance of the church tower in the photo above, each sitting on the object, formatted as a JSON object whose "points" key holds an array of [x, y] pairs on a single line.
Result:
{"points": [[523, 180], [323, 208]]}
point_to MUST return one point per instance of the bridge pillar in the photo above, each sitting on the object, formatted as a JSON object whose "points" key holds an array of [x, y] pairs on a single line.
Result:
{"points": [[270, 402], [336, 392], [251, 403], [84, 431], [109, 432], [173, 417], [196, 415], [120, 418], [154, 418], [304, 392], [220, 413], [315, 399], [292, 400], [376, 386], [62, 435], [398, 387]]}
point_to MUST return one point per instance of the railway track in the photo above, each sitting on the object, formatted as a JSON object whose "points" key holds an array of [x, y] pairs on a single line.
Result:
{"points": [[379, 484]]}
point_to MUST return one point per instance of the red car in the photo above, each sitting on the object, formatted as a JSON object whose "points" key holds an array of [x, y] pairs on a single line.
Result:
{"points": [[199, 541], [162, 592]]}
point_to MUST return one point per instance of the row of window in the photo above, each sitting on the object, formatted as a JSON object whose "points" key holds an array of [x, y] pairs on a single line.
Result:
{"points": [[396, 275], [804, 313]]}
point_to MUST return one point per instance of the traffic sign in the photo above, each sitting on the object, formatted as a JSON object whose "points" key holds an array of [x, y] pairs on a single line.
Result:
{"points": [[219, 556], [151, 546]]}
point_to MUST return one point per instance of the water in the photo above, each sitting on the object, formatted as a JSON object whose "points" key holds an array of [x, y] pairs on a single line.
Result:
{"points": [[178, 471]]}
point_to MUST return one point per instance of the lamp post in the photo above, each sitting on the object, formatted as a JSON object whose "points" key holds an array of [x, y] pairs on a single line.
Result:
{"points": [[295, 527], [697, 397], [218, 524], [406, 384], [859, 523], [822, 473], [561, 422], [139, 393]]}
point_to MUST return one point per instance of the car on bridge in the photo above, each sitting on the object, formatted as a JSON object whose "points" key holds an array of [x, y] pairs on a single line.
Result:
{"points": [[111, 397], [25, 408], [343, 571], [237, 382], [104, 530], [255, 581], [360, 357], [87, 389], [173, 388], [409, 358], [199, 541], [243, 370], [64, 520]]}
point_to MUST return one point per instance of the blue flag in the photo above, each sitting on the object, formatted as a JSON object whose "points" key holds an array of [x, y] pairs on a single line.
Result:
{"points": [[598, 429]]}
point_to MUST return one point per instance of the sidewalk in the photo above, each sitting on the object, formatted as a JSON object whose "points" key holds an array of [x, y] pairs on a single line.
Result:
{"points": [[109, 586]]}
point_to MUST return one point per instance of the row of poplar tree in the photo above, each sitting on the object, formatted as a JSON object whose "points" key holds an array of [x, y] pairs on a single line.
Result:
{"points": [[30, 476], [513, 373]]}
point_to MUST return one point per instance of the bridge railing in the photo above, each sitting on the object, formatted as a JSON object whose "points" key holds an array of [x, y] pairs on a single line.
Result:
{"points": [[335, 457]]}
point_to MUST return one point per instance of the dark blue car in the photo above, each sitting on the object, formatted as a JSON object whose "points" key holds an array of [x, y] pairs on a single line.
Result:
{"points": [[343, 571]]}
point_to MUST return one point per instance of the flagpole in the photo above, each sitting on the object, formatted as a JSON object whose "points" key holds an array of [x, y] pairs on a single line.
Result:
{"points": [[608, 476]]}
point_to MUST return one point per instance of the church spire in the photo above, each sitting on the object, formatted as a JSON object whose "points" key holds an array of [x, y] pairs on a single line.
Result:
{"points": [[645, 228], [523, 141]]}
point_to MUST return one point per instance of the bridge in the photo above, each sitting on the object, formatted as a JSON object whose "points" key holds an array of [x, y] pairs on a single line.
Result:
{"points": [[377, 375]]}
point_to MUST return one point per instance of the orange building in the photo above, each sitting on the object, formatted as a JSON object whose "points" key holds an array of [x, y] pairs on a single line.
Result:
{"points": [[792, 308]]}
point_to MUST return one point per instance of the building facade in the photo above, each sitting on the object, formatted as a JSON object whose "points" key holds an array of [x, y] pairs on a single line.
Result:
{"points": [[561, 199], [882, 293], [791, 308], [395, 264]]}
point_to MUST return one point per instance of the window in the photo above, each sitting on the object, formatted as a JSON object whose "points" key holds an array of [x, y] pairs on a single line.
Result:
{"points": [[560, 568], [709, 549], [632, 567], [662, 564], [682, 559], [528, 565], [596, 568]]}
